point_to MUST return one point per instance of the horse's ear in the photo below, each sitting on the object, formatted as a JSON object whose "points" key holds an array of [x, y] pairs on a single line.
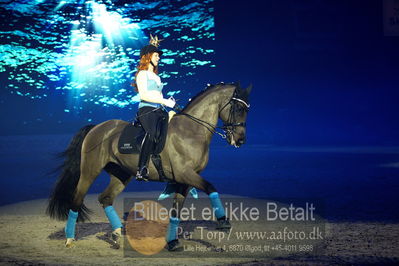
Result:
{"points": [[249, 89]]}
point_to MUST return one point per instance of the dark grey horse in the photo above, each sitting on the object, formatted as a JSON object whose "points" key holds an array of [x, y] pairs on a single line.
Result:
{"points": [[185, 155]]}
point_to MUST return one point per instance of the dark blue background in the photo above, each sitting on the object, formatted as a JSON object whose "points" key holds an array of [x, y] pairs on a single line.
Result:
{"points": [[323, 71]]}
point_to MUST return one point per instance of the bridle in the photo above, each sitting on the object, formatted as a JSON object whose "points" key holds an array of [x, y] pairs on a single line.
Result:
{"points": [[228, 127]]}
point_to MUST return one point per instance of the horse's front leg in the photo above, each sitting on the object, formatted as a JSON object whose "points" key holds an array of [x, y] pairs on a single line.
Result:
{"points": [[191, 178]]}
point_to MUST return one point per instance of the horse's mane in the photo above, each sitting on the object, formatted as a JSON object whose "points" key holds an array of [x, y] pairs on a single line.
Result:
{"points": [[208, 89]]}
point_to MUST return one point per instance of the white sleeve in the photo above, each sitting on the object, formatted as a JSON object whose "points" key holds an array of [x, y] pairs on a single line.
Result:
{"points": [[145, 94]]}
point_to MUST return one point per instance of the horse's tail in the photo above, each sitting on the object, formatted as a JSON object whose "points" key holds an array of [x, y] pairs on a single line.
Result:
{"points": [[61, 198]]}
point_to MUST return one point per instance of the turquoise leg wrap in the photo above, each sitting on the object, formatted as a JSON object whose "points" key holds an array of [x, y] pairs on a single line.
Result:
{"points": [[170, 189], [113, 217], [70, 225], [171, 234], [216, 205], [194, 193]]}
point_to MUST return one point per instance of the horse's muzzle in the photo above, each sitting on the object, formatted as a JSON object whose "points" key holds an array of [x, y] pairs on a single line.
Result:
{"points": [[240, 141], [236, 143]]}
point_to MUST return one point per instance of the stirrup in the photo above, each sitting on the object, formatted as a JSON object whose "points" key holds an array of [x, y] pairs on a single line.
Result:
{"points": [[142, 174]]}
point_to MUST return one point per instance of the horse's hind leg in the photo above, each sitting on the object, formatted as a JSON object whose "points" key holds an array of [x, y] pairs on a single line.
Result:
{"points": [[87, 177], [174, 220], [106, 199], [88, 174]]}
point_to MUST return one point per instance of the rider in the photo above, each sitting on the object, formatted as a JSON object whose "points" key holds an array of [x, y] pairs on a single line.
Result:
{"points": [[151, 112]]}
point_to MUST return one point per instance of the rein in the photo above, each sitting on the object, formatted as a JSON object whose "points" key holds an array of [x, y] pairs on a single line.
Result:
{"points": [[226, 126], [211, 128]]}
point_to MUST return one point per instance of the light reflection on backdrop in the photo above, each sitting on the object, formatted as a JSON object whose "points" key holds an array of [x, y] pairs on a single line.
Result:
{"points": [[86, 51]]}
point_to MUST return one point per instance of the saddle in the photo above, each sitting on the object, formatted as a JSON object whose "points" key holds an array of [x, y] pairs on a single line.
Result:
{"points": [[131, 137]]}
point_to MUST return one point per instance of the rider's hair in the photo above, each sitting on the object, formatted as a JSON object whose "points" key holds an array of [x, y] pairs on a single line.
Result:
{"points": [[143, 65]]}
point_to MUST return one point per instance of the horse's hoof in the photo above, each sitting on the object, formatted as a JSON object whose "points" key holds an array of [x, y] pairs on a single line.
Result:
{"points": [[174, 245], [223, 224], [69, 243], [116, 240]]}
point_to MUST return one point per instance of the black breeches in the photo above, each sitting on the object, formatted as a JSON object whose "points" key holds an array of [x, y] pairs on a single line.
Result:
{"points": [[155, 124]]}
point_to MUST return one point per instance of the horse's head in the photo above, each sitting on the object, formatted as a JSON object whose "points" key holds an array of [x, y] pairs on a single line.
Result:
{"points": [[234, 116]]}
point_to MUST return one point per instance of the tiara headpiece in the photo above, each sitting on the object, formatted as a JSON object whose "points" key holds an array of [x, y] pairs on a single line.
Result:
{"points": [[154, 40]]}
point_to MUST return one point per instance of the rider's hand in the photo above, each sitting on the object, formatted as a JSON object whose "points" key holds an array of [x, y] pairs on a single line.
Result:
{"points": [[169, 102]]}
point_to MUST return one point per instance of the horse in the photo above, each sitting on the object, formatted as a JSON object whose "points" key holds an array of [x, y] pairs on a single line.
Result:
{"points": [[95, 148]]}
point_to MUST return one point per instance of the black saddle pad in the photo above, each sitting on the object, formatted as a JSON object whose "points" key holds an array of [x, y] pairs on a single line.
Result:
{"points": [[131, 138]]}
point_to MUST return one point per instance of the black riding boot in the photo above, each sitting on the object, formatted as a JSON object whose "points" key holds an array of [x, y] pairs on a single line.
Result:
{"points": [[145, 153]]}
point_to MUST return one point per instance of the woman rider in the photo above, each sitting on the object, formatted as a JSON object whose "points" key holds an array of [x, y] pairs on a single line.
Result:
{"points": [[151, 112]]}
